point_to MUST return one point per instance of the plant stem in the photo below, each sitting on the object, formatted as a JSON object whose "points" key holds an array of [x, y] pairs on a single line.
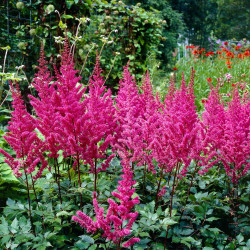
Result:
{"points": [[79, 179], [95, 175], [191, 183], [158, 189], [31, 221], [33, 186], [69, 176], [144, 179], [59, 186], [4, 61], [171, 203]]}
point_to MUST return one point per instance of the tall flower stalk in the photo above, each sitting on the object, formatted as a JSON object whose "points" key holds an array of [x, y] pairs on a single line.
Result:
{"points": [[118, 221]]}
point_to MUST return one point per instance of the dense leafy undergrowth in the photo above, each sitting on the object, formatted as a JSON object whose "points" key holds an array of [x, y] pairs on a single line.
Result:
{"points": [[212, 219], [87, 172]]}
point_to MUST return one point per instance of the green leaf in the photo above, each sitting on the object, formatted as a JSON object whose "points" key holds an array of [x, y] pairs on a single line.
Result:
{"points": [[240, 238], [5, 48], [14, 226], [62, 25], [11, 203], [67, 16], [4, 227], [69, 3], [93, 247], [212, 218], [5, 239], [202, 184], [168, 222], [24, 224], [187, 231], [87, 239], [62, 213], [186, 241], [215, 230], [144, 234]]}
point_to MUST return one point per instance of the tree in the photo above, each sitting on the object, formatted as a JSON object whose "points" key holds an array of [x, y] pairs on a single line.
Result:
{"points": [[233, 19]]}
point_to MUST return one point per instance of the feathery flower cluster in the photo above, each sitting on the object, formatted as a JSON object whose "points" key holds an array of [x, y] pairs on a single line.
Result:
{"points": [[235, 151], [46, 106], [23, 139], [117, 223], [227, 134], [178, 139], [213, 125], [129, 111], [101, 111]]}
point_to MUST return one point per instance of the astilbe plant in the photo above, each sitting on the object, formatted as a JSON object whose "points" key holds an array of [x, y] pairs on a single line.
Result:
{"points": [[129, 142], [179, 135], [25, 142], [235, 150], [118, 221], [150, 121], [100, 111], [45, 106], [23, 139], [226, 134], [71, 107], [213, 127]]}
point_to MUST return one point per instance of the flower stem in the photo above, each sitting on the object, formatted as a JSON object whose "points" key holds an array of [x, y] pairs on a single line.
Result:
{"points": [[190, 185], [28, 191], [79, 179], [95, 175], [158, 189]]}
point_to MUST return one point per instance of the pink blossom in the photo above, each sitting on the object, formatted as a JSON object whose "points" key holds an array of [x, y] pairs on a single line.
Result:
{"points": [[23, 139], [112, 224]]}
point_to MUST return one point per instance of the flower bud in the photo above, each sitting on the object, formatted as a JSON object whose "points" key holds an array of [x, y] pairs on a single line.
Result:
{"points": [[20, 5], [50, 8]]}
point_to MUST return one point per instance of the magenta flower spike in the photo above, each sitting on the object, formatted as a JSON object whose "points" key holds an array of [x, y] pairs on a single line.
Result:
{"points": [[101, 114], [234, 152], [23, 139], [118, 221]]}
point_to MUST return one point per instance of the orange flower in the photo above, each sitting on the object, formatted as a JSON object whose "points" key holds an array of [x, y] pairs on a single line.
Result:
{"points": [[229, 67], [174, 68], [228, 63], [209, 79]]}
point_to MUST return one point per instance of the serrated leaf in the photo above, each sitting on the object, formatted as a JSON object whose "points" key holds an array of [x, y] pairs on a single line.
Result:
{"points": [[14, 226], [11, 203], [87, 239], [4, 226], [5, 239], [168, 222]]}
